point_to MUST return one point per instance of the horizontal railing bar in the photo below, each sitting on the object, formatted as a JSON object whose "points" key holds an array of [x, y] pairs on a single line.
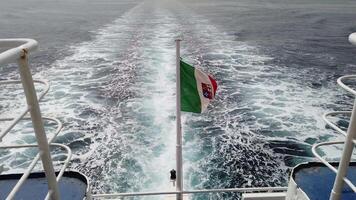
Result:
{"points": [[352, 38], [59, 125], [23, 113], [254, 189], [17, 46], [332, 125], [315, 146], [13, 123], [238, 190], [44, 82], [59, 128], [344, 86], [35, 160]]}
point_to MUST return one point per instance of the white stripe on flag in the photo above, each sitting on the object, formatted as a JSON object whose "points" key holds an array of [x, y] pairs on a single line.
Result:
{"points": [[200, 78]]}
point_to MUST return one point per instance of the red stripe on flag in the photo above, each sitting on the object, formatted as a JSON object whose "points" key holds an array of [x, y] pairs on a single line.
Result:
{"points": [[213, 82]]}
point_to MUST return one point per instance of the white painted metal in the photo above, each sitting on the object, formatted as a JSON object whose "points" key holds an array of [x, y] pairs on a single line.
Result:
{"points": [[294, 192], [332, 168], [344, 86], [23, 178], [352, 38], [346, 157], [332, 125], [179, 156], [173, 197], [15, 49], [349, 145], [251, 189], [13, 123], [264, 196], [239, 190], [56, 132], [37, 123], [292, 189], [65, 165], [43, 82], [37, 157]]}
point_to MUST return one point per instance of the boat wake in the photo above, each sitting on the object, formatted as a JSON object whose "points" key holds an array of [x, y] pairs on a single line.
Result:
{"points": [[116, 97]]}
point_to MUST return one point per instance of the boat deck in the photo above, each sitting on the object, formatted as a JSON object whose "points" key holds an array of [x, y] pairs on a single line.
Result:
{"points": [[72, 185], [316, 180]]}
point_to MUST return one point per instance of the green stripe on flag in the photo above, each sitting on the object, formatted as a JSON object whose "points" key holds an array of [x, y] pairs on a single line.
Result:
{"points": [[190, 100]]}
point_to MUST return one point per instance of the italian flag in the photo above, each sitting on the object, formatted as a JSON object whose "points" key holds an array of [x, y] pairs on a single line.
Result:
{"points": [[197, 88]]}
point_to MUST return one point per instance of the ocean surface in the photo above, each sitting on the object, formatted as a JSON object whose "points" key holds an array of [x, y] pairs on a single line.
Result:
{"points": [[111, 66]]}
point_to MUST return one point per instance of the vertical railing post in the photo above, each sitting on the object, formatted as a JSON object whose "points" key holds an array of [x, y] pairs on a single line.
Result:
{"points": [[346, 157], [179, 157], [32, 102]]}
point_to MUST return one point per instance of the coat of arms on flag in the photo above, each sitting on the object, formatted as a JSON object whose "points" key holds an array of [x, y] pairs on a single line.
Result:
{"points": [[207, 90], [197, 88]]}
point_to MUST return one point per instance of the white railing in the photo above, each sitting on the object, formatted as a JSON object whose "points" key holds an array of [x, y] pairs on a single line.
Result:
{"points": [[349, 143], [16, 51], [326, 163], [352, 38], [161, 193]]}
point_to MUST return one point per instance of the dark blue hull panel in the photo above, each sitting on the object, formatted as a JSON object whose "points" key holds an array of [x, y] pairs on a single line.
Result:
{"points": [[316, 180], [72, 185]]}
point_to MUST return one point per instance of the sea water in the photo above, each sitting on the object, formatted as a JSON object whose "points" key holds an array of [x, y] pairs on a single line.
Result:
{"points": [[111, 66]]}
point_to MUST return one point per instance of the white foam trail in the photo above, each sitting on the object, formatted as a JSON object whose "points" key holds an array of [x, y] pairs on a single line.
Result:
{"points": [[116, 97], [131, 61]]}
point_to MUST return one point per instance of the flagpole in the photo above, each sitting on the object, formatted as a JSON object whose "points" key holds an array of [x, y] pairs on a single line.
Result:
{"points": [[179, 157]]}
